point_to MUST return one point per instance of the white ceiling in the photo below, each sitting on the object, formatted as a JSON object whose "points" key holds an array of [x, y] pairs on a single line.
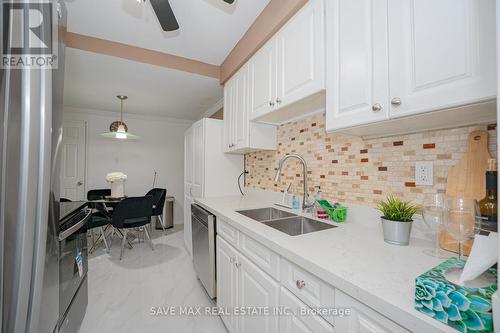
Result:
{"points": [[209, 29], [93, 80]]}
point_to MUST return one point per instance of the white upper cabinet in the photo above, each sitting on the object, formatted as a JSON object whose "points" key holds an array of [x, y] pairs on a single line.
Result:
{"points": [[290, 67], [240, 135], [357, 84], [442, 53], [301, 55], [388, 59], [263, 75]]}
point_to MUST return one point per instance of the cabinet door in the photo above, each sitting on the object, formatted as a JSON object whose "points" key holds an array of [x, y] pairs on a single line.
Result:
{"points": [[442, 54], [198, 160], [262, 71], [256, 289], [228, 116], [301, 54], [188, 157], [357, 65], [294, 322], [362, 319], [227, 281], [188, 242], [240, 110]]}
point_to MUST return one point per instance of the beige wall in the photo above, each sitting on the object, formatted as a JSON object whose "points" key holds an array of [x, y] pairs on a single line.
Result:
{"points": [[272, 18], [218, 115], [350, 169]]}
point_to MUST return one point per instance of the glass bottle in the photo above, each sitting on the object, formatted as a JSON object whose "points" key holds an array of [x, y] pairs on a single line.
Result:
{"points": [[489, 204]]}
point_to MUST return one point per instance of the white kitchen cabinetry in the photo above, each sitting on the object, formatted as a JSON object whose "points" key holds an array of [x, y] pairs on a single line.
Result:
{"points": [[240, 135], [227, 282], [289, 67], [297, 323], [263, 77], [242, 284], [390, 59], [442, 53], [208, 172], [362, 319], [358, 85], [256, 289]]}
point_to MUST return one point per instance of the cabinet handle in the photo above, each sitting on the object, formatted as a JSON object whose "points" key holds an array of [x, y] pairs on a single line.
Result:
{"points": [[396, 101], [238, 265], [271, 103], [278, 100], [300, 284], [376, 107], [232, 260], [190, 192]]}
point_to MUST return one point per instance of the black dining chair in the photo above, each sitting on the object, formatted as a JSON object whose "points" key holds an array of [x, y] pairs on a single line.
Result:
{"points": [[159, 195], [99, 219], [133, 213], [98, 194]]}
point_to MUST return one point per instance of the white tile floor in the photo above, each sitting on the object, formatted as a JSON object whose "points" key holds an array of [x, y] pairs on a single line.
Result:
{"points": [[121, 293]]}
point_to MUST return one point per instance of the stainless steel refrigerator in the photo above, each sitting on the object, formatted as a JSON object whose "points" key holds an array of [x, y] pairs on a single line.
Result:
{"points": [[30, 133]]}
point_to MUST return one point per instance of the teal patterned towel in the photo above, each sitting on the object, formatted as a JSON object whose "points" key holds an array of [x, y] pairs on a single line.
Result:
{"points": [[463, 308]]}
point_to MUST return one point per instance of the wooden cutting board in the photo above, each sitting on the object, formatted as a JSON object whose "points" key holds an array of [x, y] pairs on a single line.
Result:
{"points": [[467, 179]]}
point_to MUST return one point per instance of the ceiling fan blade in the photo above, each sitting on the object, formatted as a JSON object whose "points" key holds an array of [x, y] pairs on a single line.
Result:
{"points": [[229, 1], [165, 15]]}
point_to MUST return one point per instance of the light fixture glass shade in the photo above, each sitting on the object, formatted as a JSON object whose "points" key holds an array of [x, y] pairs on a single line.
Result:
{"points": [[118, 129], [120, 134]]}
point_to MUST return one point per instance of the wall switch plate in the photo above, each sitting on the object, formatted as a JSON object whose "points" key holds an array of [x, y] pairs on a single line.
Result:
{"points": [[424, 173]]}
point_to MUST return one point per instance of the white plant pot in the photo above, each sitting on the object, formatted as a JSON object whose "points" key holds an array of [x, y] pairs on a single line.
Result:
{"points": [[396, 233], [118, 189]]}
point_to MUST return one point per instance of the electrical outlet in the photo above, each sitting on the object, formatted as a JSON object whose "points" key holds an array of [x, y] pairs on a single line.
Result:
{"points": [[424, 173]]}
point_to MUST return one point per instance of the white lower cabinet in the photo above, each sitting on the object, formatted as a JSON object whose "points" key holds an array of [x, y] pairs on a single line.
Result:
{"points": [[362, 318], [242, 286], [300, 322], [291, 298], [256, 289], [227, 281]]}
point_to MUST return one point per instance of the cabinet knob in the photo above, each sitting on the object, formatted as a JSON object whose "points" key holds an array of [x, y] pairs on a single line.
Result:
{"points": [[300, 284], [238, 265], [232, 260], [271, 103], [376, 107], [396, 101], [278, 100]]}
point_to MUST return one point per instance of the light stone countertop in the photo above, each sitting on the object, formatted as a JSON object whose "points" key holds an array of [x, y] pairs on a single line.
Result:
{"points": [[353, 257]]}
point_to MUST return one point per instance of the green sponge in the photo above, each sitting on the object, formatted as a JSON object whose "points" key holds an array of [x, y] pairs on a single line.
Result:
{"points": [[337, 212]]}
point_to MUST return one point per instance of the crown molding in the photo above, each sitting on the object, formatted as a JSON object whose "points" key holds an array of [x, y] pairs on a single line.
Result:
{"points": [[113, 114], [216, 107]]}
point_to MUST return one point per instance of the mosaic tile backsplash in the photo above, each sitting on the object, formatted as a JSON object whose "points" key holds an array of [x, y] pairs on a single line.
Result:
{"points": [[353, 170]]}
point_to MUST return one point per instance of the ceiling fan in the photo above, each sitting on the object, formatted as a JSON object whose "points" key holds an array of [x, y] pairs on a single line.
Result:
{"points": [[165, 14]]}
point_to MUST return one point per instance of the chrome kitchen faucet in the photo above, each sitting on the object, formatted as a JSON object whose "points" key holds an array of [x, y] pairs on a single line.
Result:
{"points": [[305, 205]]}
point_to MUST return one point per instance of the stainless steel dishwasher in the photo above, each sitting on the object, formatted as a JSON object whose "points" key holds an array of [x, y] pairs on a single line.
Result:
{"points": [[203, 238]]}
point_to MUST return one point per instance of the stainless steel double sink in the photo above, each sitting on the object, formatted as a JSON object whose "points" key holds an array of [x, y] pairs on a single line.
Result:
{"points": [[286, 222]]}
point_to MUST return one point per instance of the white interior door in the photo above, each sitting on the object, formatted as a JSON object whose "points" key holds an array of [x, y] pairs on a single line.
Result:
{"points": [[441, 53], [73, 160]]}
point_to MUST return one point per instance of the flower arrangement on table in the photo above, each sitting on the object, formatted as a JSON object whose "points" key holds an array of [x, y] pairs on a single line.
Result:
{"points": [[117, 181]]}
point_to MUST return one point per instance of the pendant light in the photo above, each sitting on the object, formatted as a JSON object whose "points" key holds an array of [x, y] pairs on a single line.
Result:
{"points": [[118, 129]]}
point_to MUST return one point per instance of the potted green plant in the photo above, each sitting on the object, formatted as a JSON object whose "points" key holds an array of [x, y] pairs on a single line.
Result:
{"points": [[397, 218]]}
